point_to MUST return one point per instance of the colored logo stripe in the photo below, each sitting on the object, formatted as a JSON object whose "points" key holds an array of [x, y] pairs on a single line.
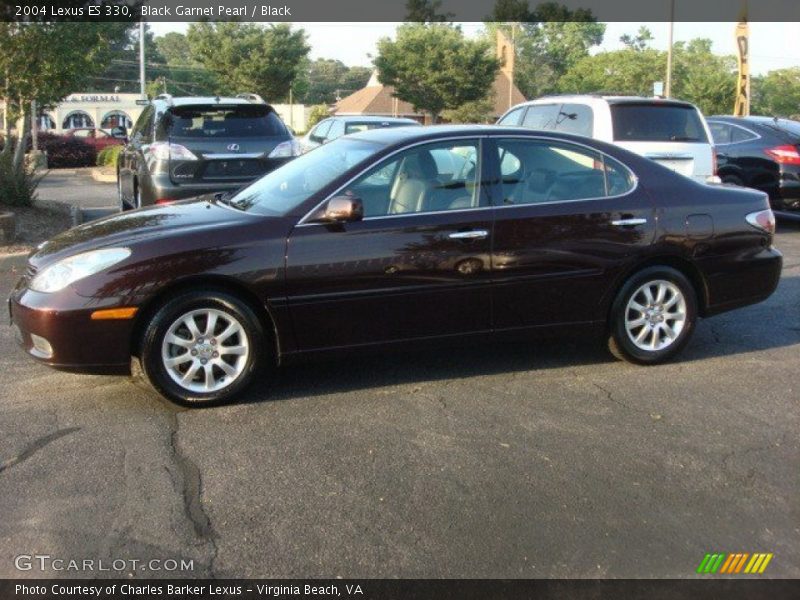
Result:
{"points": [[734, 563]]}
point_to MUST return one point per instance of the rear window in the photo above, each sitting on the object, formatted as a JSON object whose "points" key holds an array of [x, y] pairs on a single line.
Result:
{"points": [[657, 123], [240, 121], [786, 126]]}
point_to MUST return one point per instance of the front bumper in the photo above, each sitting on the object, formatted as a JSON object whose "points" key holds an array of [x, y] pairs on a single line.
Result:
{"points": [[77, 342]]}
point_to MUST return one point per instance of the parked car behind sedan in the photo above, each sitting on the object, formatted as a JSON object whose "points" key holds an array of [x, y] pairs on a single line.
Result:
{"points": [[97, 138], [186, 147], [328, 130], [671, 132], [367, 242], [761, 153]]}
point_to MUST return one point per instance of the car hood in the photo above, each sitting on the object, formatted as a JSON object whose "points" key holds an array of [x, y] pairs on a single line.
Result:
{"points": [[137, 225]]}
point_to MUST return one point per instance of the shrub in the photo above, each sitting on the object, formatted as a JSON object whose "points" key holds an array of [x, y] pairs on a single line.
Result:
{"points": [[107, 157], [66, 152], [316, 114], [16, 188]]}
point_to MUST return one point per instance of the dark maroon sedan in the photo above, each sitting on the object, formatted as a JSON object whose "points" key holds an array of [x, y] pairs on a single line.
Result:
{"points": [[399, 236]]}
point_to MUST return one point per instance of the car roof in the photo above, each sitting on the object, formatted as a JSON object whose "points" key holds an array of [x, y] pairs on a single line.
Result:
{"points": [[610, 99], [203, 100], [372, 119], [398, 135]]}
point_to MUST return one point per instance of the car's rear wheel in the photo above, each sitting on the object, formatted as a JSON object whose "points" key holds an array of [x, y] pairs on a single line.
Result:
{"points": [[203, 348], [653, 316]]}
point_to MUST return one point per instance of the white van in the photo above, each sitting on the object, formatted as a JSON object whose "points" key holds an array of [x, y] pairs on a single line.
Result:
{"points": [[671, 132]]}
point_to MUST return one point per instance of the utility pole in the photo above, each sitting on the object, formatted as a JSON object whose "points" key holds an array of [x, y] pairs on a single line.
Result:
{"points": [[141, 59], [668, 86]]}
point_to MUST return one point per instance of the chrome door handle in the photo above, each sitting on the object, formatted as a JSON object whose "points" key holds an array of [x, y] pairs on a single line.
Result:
{"points": [[628, 222], [478, 234]]}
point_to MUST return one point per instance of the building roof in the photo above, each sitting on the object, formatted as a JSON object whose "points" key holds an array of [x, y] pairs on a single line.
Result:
{"points": [[378, 99]]}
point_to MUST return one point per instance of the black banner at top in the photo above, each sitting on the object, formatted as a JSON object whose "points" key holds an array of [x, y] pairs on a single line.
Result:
{"points": [[398, 10]]}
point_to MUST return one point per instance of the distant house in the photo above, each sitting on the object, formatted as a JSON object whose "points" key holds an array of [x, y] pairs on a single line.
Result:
{"points": [[378, 99]]}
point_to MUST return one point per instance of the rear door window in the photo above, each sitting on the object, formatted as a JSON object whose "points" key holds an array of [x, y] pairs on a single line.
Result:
{"points": [[214, 121], [721, 132], [539, 171], [653, 122], [542, 116]]}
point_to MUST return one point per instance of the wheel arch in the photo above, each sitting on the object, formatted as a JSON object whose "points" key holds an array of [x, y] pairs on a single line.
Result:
{"points": [[679, 263], [218, 283]]}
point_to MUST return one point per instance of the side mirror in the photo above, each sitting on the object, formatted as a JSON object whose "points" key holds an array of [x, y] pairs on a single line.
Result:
{"points": [[120, 133], [344, 208]]}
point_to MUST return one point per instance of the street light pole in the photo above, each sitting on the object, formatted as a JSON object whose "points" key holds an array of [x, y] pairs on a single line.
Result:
{"points": [[141, 58], [668, 86]]}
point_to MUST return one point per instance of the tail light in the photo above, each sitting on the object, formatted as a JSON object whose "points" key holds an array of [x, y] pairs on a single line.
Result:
{"points": [[165, 200], [763, 220], [167, 151], [785, 155], [286, 150]]}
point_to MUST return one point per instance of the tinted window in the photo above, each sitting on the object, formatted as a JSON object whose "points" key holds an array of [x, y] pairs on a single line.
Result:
{"points": [[542, 116], [657, 123], [337, 130], [786, 125], [285, 188], [540, 171], [575, 118], [431, 178], [513, 117], [214, 121], [741, 135], [720, 132]]}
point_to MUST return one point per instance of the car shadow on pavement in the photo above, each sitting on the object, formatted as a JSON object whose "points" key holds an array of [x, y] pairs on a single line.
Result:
{"points": [[764, 326]]}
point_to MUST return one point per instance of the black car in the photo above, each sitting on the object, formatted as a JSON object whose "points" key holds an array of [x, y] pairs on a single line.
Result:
{"points": [[762, 153], [186, 147], [328, 130], [397, 238]]}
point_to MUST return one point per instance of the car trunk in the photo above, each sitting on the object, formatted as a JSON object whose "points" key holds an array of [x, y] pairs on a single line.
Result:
{"points": [[673, 135], [226, 161], [231, 143]]}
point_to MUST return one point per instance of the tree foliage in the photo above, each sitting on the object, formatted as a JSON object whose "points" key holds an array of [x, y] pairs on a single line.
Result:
{"points": [[434, 67], [777, 94], [246, 57], [426, 11]]}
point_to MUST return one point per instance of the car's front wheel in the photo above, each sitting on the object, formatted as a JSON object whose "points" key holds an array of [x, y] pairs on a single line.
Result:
{"points": [[653, 316], [203, 348]]}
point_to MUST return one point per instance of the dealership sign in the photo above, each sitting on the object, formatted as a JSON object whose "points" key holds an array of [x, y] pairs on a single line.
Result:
{"points": [[93, 98]]}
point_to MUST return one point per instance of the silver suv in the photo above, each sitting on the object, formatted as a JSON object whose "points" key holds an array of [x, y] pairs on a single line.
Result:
{"points": [[671, 132]]}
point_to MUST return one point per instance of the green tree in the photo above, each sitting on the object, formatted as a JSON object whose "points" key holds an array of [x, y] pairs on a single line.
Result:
{"points": [[121, 68], [324, 78], [706, 79], [316, 114], [246, 57], [548, 42], [44, 62], [355, 79], [434, 67], [477, 111], [640, 41], [776, 94], [182, 73], [628, 71]]}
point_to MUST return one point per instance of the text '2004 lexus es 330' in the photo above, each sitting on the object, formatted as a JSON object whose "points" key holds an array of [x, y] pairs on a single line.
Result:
{"points": [[397, 236]]}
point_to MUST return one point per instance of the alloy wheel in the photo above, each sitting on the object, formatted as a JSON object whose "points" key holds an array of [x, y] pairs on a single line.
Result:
{"points": [[655, 315], [205, 350]]}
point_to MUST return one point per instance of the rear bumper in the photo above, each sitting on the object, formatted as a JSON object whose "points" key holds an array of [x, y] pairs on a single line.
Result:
{"points": [[77, 343], [741, 280]]}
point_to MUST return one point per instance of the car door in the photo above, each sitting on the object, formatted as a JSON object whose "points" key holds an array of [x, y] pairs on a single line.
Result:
{"points": [[569, 221], [417, 265]]}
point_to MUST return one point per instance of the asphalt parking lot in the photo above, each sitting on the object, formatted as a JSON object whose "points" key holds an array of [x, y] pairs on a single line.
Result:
{"points": [[548, 460]]}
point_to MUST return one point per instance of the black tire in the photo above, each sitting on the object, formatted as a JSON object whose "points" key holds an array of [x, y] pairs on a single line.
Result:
{"points": [[732, 180], [260, 354], [620, 342]]}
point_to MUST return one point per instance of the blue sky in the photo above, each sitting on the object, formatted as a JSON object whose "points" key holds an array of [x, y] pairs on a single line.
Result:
{"points": [[773, 45]]}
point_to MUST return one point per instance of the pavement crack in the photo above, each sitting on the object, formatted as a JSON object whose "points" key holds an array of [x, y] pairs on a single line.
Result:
{"points": [[36, 446], [189, 485]]}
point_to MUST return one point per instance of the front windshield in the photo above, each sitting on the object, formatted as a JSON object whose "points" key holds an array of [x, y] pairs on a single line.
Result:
{"points": [[285, 188]]}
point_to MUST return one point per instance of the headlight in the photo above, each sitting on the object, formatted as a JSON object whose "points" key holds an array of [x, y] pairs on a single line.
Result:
{"points": [[68, 270]]}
